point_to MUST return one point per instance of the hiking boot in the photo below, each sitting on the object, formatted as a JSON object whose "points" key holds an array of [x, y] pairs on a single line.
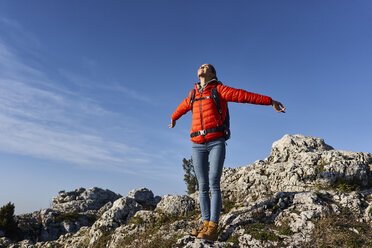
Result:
{"points": [[211, 233], [202, 229]]}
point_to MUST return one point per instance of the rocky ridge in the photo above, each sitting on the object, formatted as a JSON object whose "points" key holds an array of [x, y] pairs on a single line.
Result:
{"points": [[281, 201]]}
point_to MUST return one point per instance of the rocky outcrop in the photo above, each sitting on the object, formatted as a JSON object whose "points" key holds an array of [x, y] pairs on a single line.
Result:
{"points": [[145, 197], [70, 211], [297, 163], [281, 201]]}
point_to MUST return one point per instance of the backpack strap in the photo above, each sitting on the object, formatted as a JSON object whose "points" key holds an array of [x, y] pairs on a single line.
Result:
{"points": [[216, 99], [226, 122], [192, 98]]}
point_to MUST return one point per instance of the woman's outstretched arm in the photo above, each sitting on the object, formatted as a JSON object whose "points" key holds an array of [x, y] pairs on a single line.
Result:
{"points": [[230, 94], [182, 109]]}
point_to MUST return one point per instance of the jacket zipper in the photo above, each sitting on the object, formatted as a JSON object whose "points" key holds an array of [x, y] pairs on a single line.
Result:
{"points": [[201, 114]]}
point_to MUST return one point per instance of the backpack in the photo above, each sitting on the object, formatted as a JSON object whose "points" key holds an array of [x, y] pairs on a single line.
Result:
{"points": [[225, 128]]}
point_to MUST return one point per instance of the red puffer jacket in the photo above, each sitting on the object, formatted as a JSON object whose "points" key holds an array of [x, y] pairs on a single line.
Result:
{"points": [[205, 114]]}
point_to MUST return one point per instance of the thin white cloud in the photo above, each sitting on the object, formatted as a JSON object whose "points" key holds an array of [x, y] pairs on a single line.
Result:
{"points": [[130, 92], [12, 67], [111, 87], [47, 123], [18, 34]]}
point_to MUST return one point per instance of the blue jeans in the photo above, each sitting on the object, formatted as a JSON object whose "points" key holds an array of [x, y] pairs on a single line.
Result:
{"points": [[209, 176]]}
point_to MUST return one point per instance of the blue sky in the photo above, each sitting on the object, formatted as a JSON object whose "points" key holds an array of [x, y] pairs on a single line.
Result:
{"points": [[87, 88]]}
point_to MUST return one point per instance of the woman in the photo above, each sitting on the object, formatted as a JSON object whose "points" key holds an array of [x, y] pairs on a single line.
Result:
{"points": [[208, 139]]}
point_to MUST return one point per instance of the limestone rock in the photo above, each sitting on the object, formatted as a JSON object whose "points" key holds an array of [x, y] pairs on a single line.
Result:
{"points": [[176, 204], [145, 197], [119, 214], [70, 211], [82, 200], [297, 163], [189, 241], [287, 148]]}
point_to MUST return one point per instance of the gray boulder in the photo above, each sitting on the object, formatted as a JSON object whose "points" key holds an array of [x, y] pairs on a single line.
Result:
{"points": [[70, 211], [119, 214], [82, 200], [145, 197], [176, 204]]}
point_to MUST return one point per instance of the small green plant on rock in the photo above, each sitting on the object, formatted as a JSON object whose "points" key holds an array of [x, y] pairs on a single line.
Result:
{"points": [[298, 212], [68, 217], [261, 232], [104, 239], [137, 220], [159, 242], [338, 231], [284, 229], [227, 205], [233, 239]]}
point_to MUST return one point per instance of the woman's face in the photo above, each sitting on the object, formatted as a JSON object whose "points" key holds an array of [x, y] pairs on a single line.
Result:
{"points": [[205, 71]]}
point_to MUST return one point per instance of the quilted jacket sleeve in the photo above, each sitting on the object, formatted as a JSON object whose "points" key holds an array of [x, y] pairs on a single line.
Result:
{"points": [[182, 109], [230, 94]]}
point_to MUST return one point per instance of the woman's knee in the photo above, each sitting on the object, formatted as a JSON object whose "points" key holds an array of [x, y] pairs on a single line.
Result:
{"points": [[203, 186], [215, 185]]}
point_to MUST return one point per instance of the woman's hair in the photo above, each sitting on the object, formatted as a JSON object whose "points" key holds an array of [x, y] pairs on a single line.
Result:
{"points": [[213, 70]]}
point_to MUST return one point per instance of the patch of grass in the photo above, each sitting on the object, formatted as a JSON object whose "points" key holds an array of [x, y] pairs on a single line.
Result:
{"points": [[159, 242], [257, 225], [346, 186], [298, 212], [370, 211], [164, 220], [227, 205], [233, 239], [84, 243], [137, 220], [128, 240], [342, 185], [336, 231], [285, 231], [68, 217], [149, 239], [264, 235], [193, 214], [260, 231], [55, 245], [320, 166], [103, 240], [346, 211]]}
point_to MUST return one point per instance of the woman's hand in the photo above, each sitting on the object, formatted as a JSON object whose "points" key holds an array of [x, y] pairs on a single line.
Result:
{"points": [[277, 105], [173, 123]]}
